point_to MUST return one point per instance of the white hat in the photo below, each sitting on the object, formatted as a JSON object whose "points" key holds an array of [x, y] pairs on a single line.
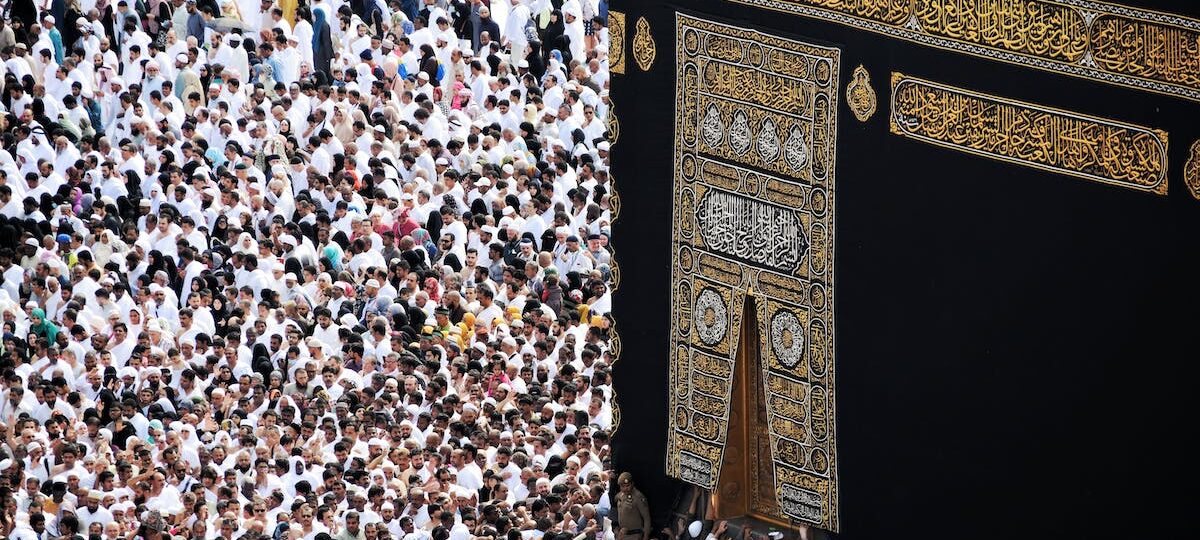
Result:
{"points": [[482, 182], [373, 283], [694, 528]]}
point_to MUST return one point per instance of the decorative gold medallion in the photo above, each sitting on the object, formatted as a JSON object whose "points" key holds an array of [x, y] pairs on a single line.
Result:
{"points": [[643, 45], [1055, 140], [860, 97], [1191, 170], [616, 42]]}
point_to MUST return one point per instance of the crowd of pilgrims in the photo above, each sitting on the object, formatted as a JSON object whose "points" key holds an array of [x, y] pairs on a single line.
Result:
{"points": [[297, 269]]}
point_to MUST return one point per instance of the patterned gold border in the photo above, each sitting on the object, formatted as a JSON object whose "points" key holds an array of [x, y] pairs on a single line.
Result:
{"points": [[616, 42], [1125, 46], [1037, 136], [644, 49]]}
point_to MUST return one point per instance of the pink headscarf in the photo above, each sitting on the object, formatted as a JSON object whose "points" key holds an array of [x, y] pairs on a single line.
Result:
{"points": [[459, 100]]}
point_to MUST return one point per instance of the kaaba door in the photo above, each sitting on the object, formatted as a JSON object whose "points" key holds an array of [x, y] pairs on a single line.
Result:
{"points": [[746, 486]]}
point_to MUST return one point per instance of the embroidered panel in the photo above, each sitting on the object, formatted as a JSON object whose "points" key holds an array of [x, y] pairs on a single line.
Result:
{"points": [[1059, 141], [753, 213], [1120, 45], [616, 42]]}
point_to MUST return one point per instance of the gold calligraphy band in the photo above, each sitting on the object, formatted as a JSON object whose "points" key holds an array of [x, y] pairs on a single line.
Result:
{"points": [[1037, 136], [1081, 38]]}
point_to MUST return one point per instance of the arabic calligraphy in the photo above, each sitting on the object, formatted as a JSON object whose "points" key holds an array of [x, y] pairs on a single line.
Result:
{"points": [[644, 49], [616, 42], [1058, 141], [755, 133], [1191, 170], [751, 230], [757, 87], [1142, 49], [1114, 44], [1027, 26], [860, 97]]}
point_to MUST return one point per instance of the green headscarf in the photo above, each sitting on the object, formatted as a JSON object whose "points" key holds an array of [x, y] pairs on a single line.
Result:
{"points": [[45, 329]]}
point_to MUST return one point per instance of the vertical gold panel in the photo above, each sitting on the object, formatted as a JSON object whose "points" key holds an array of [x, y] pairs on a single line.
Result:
{"points": [[616, 41], [752, 391]]}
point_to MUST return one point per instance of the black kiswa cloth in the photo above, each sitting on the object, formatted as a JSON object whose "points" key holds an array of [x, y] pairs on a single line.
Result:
{"points": [[1008, 338]]}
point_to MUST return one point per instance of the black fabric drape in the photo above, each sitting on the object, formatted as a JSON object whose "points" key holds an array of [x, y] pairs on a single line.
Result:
{"points": [[1008, 339]]}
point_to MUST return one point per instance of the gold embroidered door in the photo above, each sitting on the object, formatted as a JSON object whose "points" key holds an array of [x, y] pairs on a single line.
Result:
{"points": [[755, 130]]}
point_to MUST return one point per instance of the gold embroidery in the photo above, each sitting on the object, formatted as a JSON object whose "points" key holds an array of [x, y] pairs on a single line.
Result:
{"points": [[614, 124], [1110, 43], [643, 45], [1030, 27], [755, 125], [616, 42], [1191, 170], [616, 64], [1041, 137], [860, 97]]}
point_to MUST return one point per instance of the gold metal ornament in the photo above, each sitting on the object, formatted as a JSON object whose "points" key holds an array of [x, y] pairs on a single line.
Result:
{"points": [[860, 97], [644, 49], [1191, 170], [616, 42], [1055, 140]]}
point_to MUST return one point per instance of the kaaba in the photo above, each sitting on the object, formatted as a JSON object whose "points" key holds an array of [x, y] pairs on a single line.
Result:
{"points": [[907, 268]]}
